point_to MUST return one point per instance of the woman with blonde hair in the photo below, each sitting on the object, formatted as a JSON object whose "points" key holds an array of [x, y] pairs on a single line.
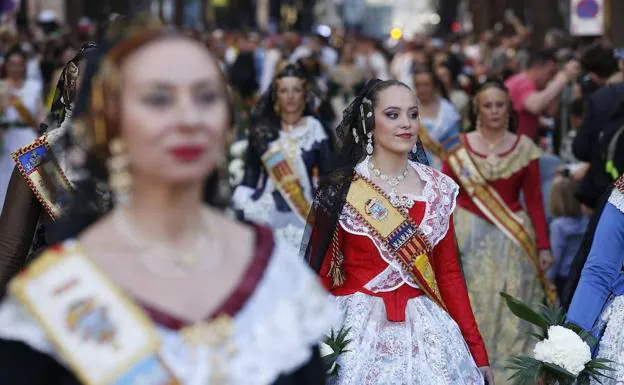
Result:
{"points": [[503, 246]]}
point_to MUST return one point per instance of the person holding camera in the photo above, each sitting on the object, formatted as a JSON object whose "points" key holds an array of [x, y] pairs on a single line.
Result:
{"points": [[534, 90]]}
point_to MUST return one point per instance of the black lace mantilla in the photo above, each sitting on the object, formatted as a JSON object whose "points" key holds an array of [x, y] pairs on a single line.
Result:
{"points": [[358, 120]]}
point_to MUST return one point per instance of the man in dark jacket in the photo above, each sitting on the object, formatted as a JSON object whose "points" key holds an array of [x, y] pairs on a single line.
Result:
{"points": [[603, 105], [604, 110]]}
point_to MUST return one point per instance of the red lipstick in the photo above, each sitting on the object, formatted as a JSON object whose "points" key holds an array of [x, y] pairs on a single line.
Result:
{"points": [[188, 153], [405, 136]]}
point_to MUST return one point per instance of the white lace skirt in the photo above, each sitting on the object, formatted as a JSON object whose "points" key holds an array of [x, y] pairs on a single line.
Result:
{"points": [[427, 349], [612, 342]]}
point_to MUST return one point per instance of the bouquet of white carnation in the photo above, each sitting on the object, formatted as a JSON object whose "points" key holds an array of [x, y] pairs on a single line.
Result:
{"points": [[562, 354]]}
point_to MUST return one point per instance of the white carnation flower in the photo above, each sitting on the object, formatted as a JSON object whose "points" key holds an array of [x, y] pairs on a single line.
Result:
{"points": [[564, 348], [238, 148]]}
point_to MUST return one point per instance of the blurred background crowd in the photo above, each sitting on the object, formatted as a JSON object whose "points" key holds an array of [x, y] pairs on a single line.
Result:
{"points": [[568, 54]]}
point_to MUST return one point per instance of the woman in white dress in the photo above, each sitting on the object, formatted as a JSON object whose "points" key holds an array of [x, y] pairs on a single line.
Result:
{"points": [[381, 238], [22, 110], [288, 149]]}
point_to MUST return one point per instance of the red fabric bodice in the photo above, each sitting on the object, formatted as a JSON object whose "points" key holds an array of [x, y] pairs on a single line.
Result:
{"points": [[526, 180], [362, 262]]}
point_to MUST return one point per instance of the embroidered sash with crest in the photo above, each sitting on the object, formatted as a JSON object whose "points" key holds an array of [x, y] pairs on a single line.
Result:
{"points": [[44, 176], [104, 337], [397, 231], [282, 172], [496, 210]]}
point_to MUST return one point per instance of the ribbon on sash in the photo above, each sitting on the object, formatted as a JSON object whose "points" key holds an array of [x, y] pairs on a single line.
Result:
{"points": [[430, 143], [286, 181], [44, 176], [496, 210], [23, 112], [397, 231], [103, 336]]}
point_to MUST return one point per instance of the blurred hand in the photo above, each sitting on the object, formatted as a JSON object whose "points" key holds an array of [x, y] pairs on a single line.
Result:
{"points": [[578, 173], [572, 69], [487, 375], [510, 16], [546, 260]]}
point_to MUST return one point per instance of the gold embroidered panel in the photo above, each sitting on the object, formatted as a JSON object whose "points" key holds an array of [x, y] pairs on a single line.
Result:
{"points": [[495, 167]]}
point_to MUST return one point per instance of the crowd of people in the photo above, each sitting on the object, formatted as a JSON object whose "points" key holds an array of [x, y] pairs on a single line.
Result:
{"points": [[206, 207]]}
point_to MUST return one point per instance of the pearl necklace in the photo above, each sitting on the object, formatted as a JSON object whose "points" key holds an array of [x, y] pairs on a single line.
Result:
{"points": [[393, 182]]}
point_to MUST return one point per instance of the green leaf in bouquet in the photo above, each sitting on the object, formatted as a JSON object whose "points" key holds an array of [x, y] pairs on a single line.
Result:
{"points": [[585, 335], [526, 370], [524, 312], [537, 336], [599, 364], [559, 372], [554, 315], [338, 341]]}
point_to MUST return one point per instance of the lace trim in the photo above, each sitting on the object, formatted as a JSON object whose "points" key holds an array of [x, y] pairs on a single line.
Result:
{"points": [[494, 167], [617, 199], [287, 317], [274, 332], [309, 135], [439, 194], [389, 280]]}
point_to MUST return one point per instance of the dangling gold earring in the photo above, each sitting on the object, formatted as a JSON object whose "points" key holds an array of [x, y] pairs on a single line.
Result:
{"points": [[276, 108], [119, 177]]}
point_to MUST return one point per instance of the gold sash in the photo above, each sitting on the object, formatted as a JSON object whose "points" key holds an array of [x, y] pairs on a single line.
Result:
{"points": [[105, 338], [24, 114], [43, 175], [397, 231], [430, 143], [282, 172], [496, 210]]}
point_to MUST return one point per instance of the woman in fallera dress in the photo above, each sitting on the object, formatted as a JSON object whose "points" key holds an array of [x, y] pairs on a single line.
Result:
{"points": [[288, 150], [440, 120], [381, 237], [598, 302], [30, 208], [21, 110], [502, 248], [163, 289]]}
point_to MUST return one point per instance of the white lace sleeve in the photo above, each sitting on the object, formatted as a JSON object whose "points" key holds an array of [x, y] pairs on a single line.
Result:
{"points": [[288, 314], [17, 324], [441, 195], [312, 134], [617, 199]]}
